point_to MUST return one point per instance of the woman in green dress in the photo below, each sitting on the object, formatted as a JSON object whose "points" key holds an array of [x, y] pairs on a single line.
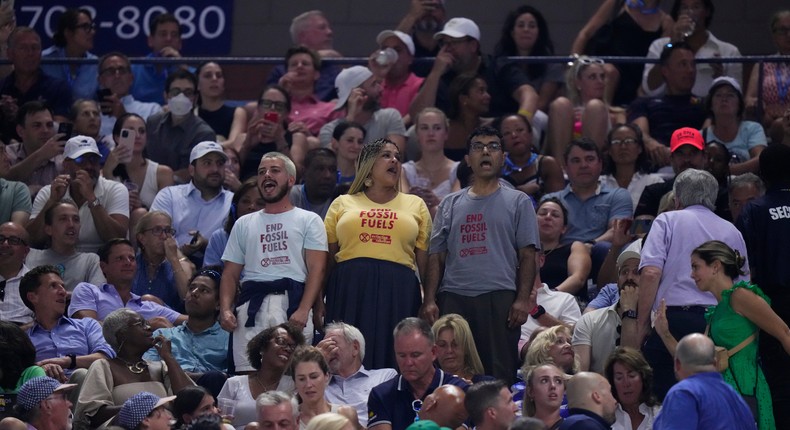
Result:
{"points": [[743, 309]]}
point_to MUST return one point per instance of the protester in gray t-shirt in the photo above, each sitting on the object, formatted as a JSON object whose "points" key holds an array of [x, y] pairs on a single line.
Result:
{"points": [[482, 257]]}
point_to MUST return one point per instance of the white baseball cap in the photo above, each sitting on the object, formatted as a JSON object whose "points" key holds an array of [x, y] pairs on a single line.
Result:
{"points": [[458, 28], [631, 251], [80, 145], [204, 148], [405, 38], [725, 80], [347, 80]]}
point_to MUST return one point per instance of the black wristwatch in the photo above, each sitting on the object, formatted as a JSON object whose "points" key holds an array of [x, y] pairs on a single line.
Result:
{"points": [[73, 357], [537, 312], [629, 314]]}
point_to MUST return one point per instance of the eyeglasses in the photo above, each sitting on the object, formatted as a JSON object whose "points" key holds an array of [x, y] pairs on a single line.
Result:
{"points": [[273, 105], [491, 147], [453, 42], [722, 95], [213, 274], [623, 142], [156, 231], [142, 323], [86, 27], [88, 159], [589, 60], [12, 240], [55, 397], [782, 31], [283, 343], [189, 92], [112, 71]]}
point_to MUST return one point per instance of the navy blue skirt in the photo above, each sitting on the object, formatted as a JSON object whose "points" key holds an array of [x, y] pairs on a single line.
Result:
{"points": [[374, 296]]}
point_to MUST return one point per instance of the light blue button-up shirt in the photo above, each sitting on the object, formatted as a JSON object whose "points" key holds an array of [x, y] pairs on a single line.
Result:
{"points": [[196, 352], [189, 211], [354, 390]]}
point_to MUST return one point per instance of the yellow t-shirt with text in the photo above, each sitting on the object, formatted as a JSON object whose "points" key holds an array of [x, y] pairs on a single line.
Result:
{"points": [[390, 231]]}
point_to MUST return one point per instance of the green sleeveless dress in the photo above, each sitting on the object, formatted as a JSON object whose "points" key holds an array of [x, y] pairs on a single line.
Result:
{"points": [[728, 329]]}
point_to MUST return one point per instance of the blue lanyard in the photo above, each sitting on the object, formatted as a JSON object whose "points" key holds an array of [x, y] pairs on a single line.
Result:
{"points": [[511, 167], [345, 179]]}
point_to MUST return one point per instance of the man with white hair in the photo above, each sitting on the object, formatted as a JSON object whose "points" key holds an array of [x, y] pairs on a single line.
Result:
{"points": [[277, 411], [701, 400], [312, 30], [359, 94], [343, 347], [665, 271]]}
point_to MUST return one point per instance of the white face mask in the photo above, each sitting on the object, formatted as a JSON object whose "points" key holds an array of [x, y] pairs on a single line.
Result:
{"points": [[180, 105]]}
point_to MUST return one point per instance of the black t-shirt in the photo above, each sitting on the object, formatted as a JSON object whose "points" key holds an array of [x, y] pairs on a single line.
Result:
{"points": [[765, 225], [666, 114], [500, 87]]}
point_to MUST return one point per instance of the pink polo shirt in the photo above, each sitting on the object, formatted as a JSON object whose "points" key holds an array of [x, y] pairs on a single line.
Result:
{"points": [[400, 97], [313, 112]]}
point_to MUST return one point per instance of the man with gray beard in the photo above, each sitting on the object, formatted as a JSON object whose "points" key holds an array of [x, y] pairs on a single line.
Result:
{"points": [[359, 94]]}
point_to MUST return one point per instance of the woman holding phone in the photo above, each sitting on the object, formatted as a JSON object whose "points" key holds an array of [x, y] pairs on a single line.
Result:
{"points": [[126, 163], [269, 132]]}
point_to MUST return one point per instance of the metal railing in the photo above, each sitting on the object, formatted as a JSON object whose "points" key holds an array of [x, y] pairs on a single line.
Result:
{"points": [[759, 60]]}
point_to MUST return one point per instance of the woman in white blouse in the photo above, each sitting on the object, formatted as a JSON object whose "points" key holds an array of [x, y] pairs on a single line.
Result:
{"points": [[632, 381]]}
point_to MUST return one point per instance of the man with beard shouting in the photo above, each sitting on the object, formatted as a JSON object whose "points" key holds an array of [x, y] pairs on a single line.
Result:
{"points": [[283, 252]]}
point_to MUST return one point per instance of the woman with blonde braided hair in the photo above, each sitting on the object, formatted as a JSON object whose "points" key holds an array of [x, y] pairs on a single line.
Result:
{"points": [[378, 242]]}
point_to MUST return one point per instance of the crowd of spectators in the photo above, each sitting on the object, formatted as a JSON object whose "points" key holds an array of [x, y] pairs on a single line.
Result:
{"points": [[398, 244]]}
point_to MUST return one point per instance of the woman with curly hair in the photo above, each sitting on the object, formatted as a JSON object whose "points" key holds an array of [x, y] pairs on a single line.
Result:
{"points": [[552, 346], [269, 353], [631, 378], [17, 358]]}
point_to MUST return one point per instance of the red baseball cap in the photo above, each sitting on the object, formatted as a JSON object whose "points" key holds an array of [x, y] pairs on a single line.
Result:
{"points": [[686, 136]]}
